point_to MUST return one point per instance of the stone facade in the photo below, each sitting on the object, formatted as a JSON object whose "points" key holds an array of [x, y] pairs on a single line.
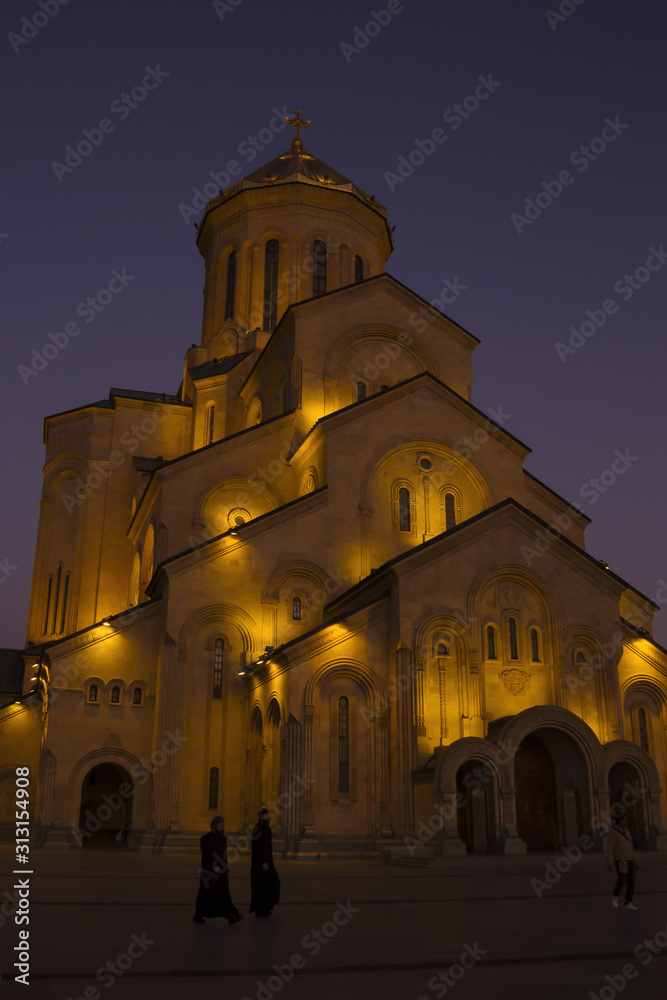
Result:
{"points": [[318, 578]]}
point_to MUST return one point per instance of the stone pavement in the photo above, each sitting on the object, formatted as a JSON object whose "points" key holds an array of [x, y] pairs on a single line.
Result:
{"points": [[464, 928]]}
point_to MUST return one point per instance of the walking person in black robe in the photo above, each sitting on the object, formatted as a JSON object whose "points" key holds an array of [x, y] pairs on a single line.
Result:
{"points": [[213, 899], [264, 881]]}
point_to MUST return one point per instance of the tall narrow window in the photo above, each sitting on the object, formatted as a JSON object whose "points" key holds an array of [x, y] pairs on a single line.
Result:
{"points": [[358, 270], [213, 781], [92, 693], [217, 668], [136, 696], [491, 642], [404, 509], [63, 611], [450, 511], [296, 609], [343, 744], [535, 645], [643, 729], [361, 391], [56, 599], [210, 424], [115, 696], [514, 649], [49, 585], [230, 294], [319, 268], [271, 255]]}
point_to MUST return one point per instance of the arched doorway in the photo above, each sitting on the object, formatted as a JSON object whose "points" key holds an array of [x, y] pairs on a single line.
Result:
{"points": [[535, 785], [105, 816], [474, 817]]}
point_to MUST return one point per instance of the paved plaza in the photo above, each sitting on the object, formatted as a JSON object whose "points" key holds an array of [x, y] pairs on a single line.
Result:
{"points": [[464, 928]]}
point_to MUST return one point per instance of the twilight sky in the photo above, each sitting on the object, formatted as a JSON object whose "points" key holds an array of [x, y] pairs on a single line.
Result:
{"points": [[569, 115]]}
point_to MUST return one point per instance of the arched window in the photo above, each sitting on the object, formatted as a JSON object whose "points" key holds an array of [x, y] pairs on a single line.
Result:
{"points": [[358, 270], [643, 729], [296, 609], [580, 658], [136, 696], [319, 268], [404, 509], [361, 391], [63, 610], [343, 744], [491, 643], [92, 693], [217, 668], [210, 423], [535, 645], [230, 294], [115, 695], [271, 255], [443, 649], [56, 599], [49, 585], [213, 781], [514, 649], [450, 511]]}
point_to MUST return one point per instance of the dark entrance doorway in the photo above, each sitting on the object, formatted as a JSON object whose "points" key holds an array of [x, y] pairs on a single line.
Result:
{"points": [[535, 796], [105, 817], [475, 789]]}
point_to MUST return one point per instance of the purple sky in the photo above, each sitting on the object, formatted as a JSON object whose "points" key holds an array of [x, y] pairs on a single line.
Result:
{"points": [[225, 72]]}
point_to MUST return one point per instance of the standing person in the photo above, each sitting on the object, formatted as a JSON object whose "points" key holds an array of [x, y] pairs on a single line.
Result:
{"points": [[621, 852], [213, 899], [264, 881]]}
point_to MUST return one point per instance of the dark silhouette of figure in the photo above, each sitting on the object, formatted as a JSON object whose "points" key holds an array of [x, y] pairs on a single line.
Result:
{"points": [[264, 881], [621, 852], [213, 899]]}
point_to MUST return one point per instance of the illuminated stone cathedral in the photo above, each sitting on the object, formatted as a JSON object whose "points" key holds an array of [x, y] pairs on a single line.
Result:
{"points": [[318, 578]]}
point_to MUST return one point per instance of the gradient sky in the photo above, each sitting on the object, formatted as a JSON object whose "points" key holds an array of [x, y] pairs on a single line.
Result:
{"points": [[555, 83]]}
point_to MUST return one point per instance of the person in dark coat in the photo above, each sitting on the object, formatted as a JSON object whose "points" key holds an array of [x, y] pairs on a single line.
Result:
{"points": [[213, 899], [264, 881]]}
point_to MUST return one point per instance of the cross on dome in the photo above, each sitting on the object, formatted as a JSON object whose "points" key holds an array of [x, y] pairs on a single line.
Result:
{"points": [[298, 122]]}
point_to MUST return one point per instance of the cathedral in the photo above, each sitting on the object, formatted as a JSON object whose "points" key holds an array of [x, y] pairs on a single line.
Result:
{"points": [[317, 578]]}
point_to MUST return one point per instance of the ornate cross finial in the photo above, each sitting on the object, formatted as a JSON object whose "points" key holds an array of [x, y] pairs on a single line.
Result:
{"points": [[298, 123]]}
